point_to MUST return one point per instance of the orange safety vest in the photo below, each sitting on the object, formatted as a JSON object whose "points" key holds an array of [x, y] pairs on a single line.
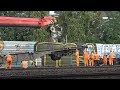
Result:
{"points": [[111, 55], [9, 58], [86, 55], [105, 59], [92, 56], [96, 56], [77, 54], [24, 64]]}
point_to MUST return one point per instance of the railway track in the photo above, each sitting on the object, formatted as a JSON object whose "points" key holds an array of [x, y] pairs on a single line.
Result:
{"points": [[63, 72], [83, 76]]}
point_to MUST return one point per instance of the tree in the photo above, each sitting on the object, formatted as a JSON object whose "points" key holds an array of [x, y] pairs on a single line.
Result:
{"points": [[22, 33], [80, 26], [111, 28]]}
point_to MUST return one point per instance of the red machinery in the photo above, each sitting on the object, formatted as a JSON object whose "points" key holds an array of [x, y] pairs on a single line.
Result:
{"points": [[26, 22], [37, 23]]}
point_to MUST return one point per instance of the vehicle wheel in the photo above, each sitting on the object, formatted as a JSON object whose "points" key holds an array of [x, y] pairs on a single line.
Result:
{"points": [[56, 56]]}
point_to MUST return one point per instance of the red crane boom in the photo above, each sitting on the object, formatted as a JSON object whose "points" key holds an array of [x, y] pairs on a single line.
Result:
{"points": [[26, 22]]}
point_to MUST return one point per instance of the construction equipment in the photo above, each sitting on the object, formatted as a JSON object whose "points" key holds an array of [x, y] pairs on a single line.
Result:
{"points": [[26, 22], [54, 49]]}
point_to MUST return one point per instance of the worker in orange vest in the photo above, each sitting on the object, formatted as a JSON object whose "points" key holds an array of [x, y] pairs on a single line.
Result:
{"points": [[9, 60], [85, 57], [24, 64], [96, 58], [92, 59], [111, 58], [105, 59], [77, 57]]}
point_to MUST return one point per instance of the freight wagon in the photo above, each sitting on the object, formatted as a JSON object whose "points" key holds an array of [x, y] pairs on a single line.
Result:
{"points": [[104, 49], [33, 49]]}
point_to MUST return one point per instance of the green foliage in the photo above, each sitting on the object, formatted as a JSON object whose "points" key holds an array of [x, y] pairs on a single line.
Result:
{"points": [[111, 27], [23, 33], [79, 26]]}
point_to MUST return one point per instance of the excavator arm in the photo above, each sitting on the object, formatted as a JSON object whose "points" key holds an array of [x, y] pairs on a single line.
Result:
{"points": [[26, 22]]}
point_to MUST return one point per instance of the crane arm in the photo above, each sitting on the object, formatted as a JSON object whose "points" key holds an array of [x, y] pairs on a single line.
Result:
{"points": [[26, 22]]}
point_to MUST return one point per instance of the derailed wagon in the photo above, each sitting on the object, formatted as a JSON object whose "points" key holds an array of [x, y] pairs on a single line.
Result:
{"points": [[32, 50]]}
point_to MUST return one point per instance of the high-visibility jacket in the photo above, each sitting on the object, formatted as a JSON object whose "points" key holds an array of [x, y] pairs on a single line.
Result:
{"points": [[24, 64], [105, 59], [96, 56], [86, 55], [111, 55], [92, 56], [9, 57], [8, 61], [77, 53]]}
